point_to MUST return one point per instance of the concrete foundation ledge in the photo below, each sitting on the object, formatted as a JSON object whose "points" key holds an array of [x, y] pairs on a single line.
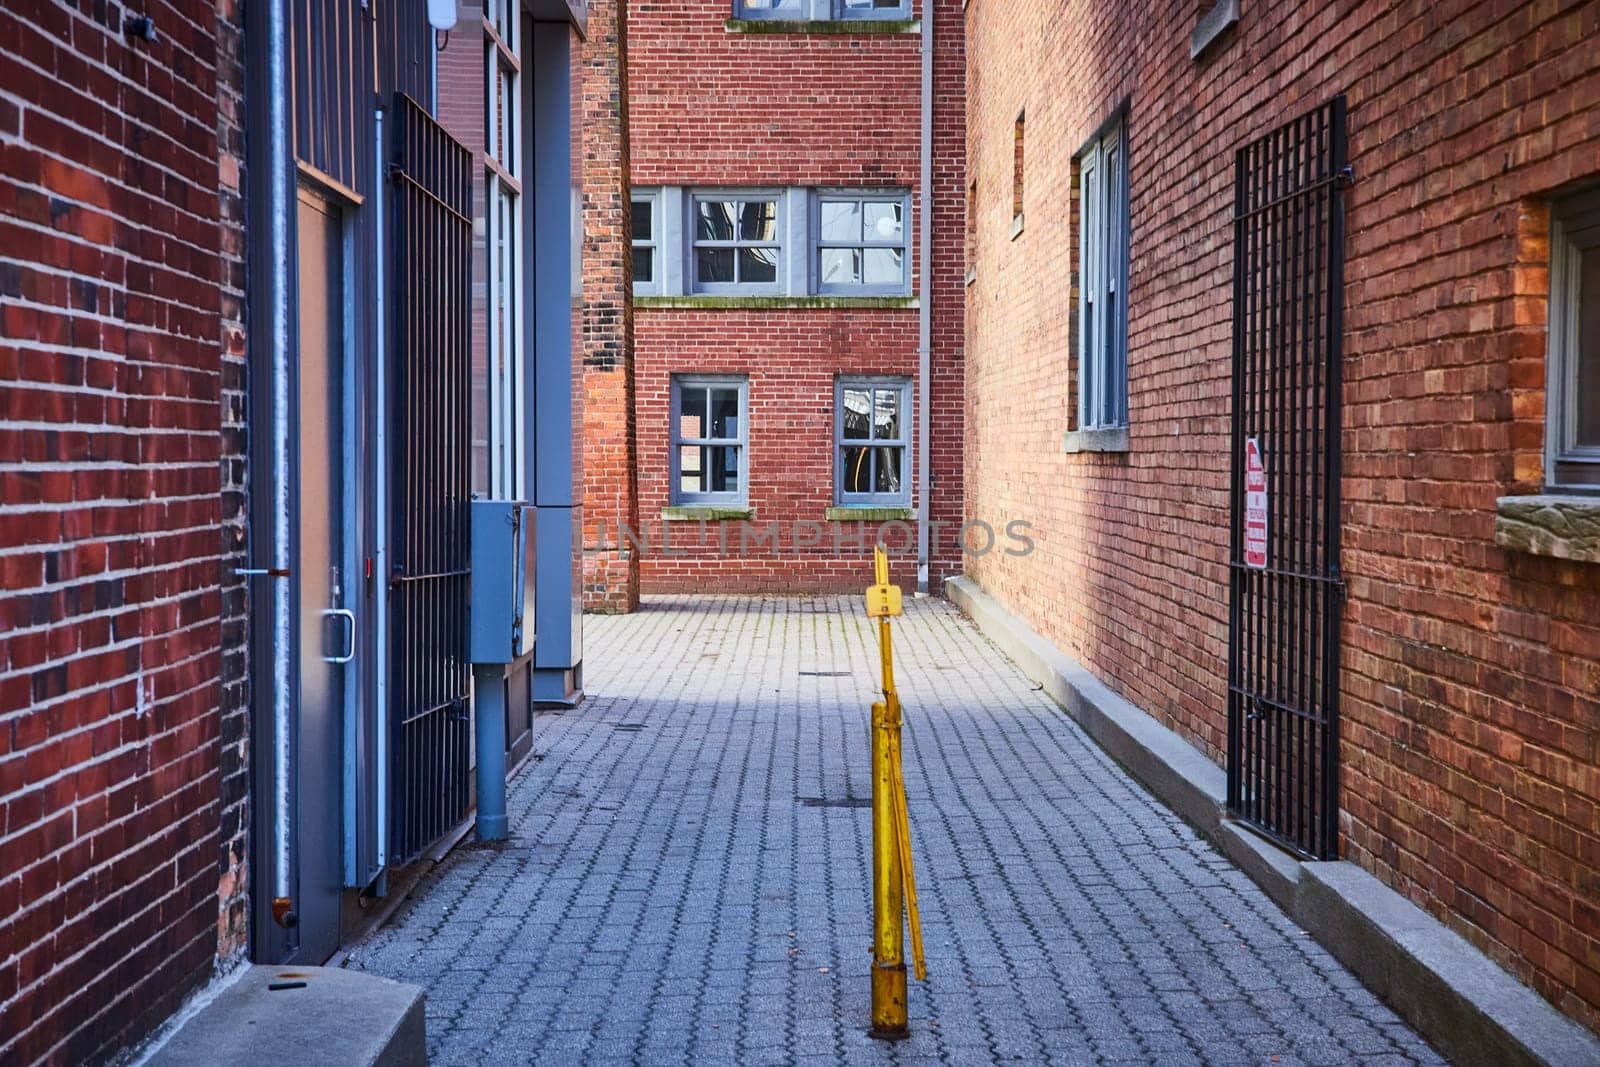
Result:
{"points": [[1473, 1011], [319, 1015]]}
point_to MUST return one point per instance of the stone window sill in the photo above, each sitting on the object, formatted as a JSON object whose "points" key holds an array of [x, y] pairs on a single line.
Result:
{"points": [[864, 514], [1096, 440], [758, 303], [1562, 526], [833, 26], [704, 512], [1016, 226], [972, 275]]}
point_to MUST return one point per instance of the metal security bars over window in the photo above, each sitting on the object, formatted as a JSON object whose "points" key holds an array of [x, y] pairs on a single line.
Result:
{"points": [[1286, 592], [432, 422]]}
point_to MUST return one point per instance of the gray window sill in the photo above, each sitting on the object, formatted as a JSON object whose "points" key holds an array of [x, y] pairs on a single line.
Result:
{"points": [[1016, 226], [834, 26], [1115, 440], [859, 513], [705, 512], [1562, 526], [775, 302], [972, 275]]}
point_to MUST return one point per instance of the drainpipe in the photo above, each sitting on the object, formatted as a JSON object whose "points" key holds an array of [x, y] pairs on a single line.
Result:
{"points": [[925, 305], [279, 239]]}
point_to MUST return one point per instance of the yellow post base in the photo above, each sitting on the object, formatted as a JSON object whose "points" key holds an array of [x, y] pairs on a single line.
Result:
{"points": [[889, 1002]]}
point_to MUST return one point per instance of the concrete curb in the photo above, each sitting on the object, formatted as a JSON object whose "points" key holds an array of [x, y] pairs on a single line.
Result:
{"points": [[318, 1015], [1473, 1011]]}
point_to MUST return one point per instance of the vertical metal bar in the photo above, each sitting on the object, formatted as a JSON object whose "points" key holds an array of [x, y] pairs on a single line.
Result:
{"points": [[1236, 482], [1335, 342]]}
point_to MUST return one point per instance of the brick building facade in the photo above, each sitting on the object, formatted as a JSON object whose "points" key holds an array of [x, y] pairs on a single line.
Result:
{"points": [[122, 751], [1469, 676], [803, 305], [178, 791]]}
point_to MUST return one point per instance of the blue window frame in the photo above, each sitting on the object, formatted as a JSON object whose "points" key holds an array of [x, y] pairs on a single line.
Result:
{"points": [[1103, 283], [710, 439], [822, 10], [872, 442], [861, 240], [737, 242]]}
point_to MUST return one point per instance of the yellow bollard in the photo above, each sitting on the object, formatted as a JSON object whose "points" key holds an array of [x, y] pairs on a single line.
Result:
{"points": [[894, 889]]}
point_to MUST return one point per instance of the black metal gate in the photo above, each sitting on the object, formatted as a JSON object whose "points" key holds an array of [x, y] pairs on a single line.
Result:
{"points": [[430, 479], [1286, 590]]}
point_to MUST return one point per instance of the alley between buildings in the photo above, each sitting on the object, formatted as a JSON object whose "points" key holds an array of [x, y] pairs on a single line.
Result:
{"points": [[689, 872]]}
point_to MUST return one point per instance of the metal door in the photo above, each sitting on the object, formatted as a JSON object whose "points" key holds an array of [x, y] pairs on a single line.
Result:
{"points": [[326, 627], [431, 423], [1286, 590]]}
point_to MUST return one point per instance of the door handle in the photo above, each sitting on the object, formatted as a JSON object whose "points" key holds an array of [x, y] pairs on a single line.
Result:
{"points": [[350, 634]]}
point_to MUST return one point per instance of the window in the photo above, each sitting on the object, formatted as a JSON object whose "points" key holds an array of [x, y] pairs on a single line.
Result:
{"points": [[736, 244], [1102, 283], [1573, 396], [972, 232], [646, 242], [861, 243], [709, 440], [822, 10], [1018, 134], [503, 205], [872, 443]]}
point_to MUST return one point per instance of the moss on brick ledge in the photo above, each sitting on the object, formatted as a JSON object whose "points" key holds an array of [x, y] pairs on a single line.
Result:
{"points": [[830, 26], [870, 514], [704, 513], [774, 303], [1566, 527]]}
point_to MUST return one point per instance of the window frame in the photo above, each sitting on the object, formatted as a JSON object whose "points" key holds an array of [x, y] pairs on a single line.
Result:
{"points": [[676, 496], [822, 11], [900, 384], [693, 243], [1101, 243], [656, 244], [818, 245], [1574, 232], [504, 291]]}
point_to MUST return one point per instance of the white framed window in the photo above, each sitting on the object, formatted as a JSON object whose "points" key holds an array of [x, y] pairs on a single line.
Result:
{"points": [[872, 442], [861, 241], [1103, 282], [710, 439], [1572, 395], [738, 242], [821, 10], [647, 232], [503, 205]]}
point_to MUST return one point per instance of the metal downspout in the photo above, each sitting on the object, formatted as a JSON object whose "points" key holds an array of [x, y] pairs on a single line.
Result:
{"points": [[925, 305], [279, 169]]}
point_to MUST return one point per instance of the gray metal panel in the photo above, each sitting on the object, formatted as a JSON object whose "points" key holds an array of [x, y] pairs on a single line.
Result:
{"points": [[557, 471], [559, 589], [501, 625]]}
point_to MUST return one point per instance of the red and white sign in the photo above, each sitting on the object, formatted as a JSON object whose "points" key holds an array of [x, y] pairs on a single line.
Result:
{"points": [[1255, 506]]}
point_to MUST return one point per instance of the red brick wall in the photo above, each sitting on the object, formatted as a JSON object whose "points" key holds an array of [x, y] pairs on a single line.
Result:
{"points": [[610, 489], [119, 244], [1470, 676], [848, 114]]}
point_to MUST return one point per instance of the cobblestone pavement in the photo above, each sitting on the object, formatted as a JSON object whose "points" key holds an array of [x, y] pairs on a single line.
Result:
{"points": [[683, 885]]}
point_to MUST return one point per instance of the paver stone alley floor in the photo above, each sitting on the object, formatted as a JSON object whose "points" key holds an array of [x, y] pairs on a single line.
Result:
{"points": [[688, 879]]}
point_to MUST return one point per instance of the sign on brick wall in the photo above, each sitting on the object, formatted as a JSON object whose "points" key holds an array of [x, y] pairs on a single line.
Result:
{"points": [[1255, 505]]}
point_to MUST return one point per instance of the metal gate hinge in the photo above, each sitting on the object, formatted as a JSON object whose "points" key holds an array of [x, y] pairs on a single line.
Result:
{"points": [[1346, 177]]}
